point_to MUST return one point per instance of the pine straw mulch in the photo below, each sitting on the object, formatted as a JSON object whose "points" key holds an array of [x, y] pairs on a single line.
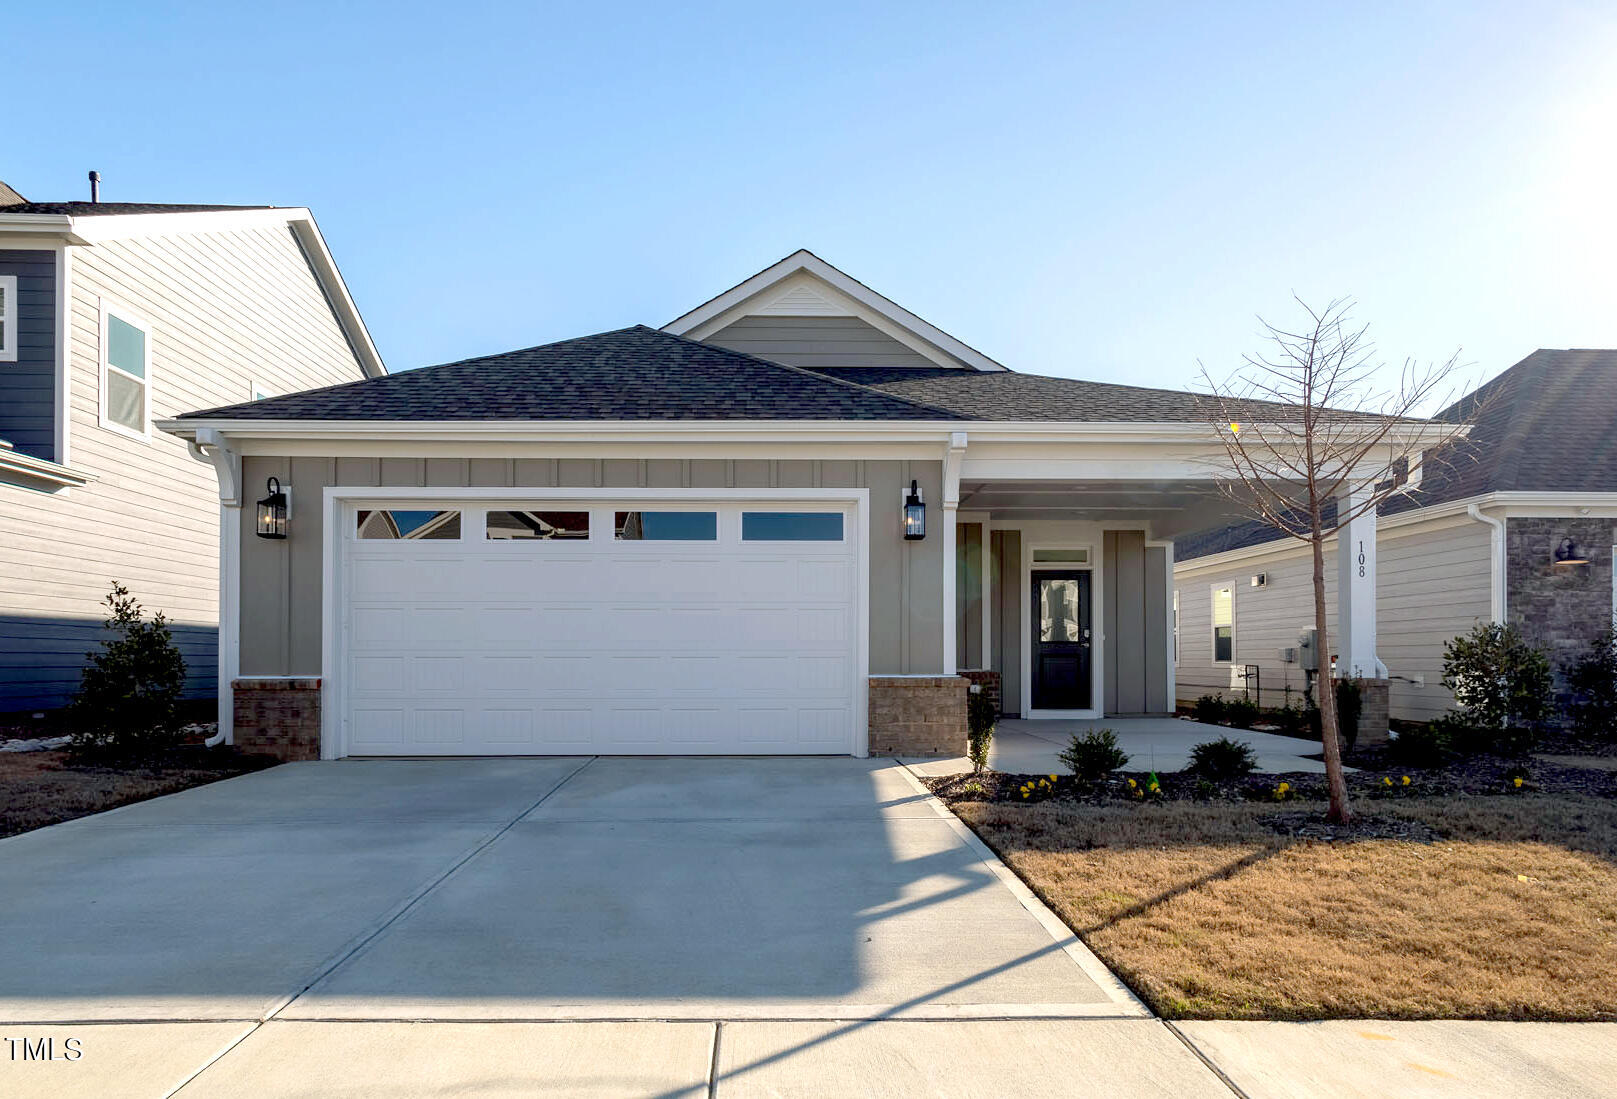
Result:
{"points": [[1497, 907]]}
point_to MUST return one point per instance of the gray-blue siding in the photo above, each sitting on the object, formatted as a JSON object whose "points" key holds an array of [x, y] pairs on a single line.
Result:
{"points": [[28, 386], [41, 658]]}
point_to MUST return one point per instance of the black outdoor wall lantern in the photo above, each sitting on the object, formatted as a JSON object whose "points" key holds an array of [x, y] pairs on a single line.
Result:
{"points": [[1568, 554], [914, 514], [272, 512]]}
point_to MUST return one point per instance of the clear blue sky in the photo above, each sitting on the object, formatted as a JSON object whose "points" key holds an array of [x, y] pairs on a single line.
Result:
{"points": [[1103, 191]]}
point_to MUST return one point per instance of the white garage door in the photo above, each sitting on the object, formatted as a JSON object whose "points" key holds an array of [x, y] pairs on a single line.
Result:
{"points": [[560, 627]]}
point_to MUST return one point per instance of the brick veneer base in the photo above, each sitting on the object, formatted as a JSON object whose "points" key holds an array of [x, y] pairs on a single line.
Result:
{"points": [[1374, 702], [921, 715], [988, 680], [278, 716]]}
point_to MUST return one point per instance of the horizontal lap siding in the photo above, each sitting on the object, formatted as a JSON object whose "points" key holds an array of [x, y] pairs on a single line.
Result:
{"points": [[281, 596], [226, 310], [1431, 586], [816, 342], [28, 386]]}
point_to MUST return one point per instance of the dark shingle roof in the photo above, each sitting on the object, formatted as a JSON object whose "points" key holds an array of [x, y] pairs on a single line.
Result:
{"points": [[1545, 425], [630, 374], [89, 209]]}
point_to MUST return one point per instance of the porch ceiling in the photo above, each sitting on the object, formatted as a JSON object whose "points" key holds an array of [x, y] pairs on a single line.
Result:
{"points": [[1170, 507]]}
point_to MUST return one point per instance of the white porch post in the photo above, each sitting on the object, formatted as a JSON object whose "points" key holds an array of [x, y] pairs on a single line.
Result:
{"points": [[212, 447], [1356, 591], [953, 458]]}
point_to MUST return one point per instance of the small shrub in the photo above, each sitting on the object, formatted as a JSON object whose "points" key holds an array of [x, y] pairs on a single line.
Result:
{"points": [[1291, 720], [1223, 760], [1499, 680], [1209, 710], [981, 717], [1242, 713], [1094, 755], [128, 698], [1419, 745], [1593, 682], [1205, 791]]}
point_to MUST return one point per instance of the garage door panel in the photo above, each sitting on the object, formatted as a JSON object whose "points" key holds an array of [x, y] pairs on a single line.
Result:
{"points": [[499, 646]]}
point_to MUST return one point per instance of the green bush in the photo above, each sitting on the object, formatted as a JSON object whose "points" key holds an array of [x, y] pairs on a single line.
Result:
{"points": [[1209, 709], [1501, 684], [1419, 745], [1593, 681], [128, 698], [1223, 760], [981, 717], [1094, 755], [1292, 720], [1241, 712]]}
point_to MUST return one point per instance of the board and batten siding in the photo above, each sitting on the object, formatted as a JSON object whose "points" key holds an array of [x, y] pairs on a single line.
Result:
{"points": [[226, 310], [1134, 630], [281, 598], [1431, 586], [28, 386], [816, 341]]}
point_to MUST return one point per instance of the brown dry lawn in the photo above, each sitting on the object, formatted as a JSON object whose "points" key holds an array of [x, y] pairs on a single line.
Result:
{"points": [[1511, 913], [40, 788]]}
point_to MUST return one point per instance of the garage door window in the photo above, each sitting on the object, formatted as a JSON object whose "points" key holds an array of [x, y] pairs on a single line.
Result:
{"points": [[387, 525], [524, 526], [667, 526], [791, 526]]}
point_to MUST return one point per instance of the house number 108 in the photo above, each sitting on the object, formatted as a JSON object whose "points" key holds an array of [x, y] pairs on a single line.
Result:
{"points": [[1361, 558]]}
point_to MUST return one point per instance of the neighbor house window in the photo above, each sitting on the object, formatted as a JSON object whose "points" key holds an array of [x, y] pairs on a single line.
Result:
{"points": [[126, 375], [510, 526], [1223, 625], [410, 525], [1176, 627], [666, 526], [261, 392], [8, 318], [791, 526]]}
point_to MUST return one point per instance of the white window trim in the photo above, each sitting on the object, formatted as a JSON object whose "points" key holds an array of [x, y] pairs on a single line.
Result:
{"points": [[108, 309], [1173, 629], [258, 392], [1212, 638], [8, 345]]}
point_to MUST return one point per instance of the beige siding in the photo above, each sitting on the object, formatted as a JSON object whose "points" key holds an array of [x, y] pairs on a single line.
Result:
{"points": [[280, 581], [816, 341], [225, 310], [1431, 585]]}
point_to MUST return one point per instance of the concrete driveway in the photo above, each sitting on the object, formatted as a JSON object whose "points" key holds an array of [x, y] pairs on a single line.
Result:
{"points": [[567, 926]]}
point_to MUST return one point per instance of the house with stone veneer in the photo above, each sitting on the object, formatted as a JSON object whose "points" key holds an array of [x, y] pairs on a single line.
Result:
{"points": [[114, 315], [794, 520], [1515, 523]]}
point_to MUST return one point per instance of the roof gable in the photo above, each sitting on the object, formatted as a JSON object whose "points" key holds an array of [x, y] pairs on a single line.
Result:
{"points": [[804, 285]]}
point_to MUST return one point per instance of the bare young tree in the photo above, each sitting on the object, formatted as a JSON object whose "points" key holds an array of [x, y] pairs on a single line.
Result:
{"points": [[1306, 423]]}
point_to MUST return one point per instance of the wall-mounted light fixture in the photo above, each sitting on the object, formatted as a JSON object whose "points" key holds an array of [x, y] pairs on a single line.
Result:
{"points": [[272, 511], [1568, 554], [914, 514]]}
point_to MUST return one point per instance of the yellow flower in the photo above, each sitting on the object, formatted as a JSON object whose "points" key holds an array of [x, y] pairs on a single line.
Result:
{"points": [[1132, 784], [1386, 782], [1283, 787], [1052, 778], [1517, 782], [1406, 780]]}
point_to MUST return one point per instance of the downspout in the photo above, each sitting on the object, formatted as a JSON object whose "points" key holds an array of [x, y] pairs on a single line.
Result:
{"points": [[211, 447], [1496, 562]]}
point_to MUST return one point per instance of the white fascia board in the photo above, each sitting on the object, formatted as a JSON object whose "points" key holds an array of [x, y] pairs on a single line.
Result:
{"points": [[804, 260], [38, 473], [51, 226]]}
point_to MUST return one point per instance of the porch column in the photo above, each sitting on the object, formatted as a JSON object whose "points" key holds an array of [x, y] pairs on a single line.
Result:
{"points": [[1356, 591], [953, 458]]}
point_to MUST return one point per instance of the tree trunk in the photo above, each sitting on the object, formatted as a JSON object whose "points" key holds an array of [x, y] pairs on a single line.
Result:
{"points": [[1335, 780]]}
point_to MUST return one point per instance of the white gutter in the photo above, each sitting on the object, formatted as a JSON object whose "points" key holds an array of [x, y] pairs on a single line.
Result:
{"points": [[1496, 562]]}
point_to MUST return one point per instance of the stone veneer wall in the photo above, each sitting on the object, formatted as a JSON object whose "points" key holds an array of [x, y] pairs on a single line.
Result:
{"points": [[988, 680], [1375, 705], [1562, 609], [922, 715], [277, 716]]}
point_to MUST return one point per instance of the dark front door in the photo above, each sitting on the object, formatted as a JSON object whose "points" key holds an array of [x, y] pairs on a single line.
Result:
{"points": [[1061, 640]]}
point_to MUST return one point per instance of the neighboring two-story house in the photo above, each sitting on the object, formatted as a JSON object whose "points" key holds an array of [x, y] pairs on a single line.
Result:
{"points": [[781, 523], [1516, 523], [114, 315]]}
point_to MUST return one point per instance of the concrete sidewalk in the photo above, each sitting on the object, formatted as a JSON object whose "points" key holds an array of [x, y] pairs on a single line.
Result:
{"points": [[1158, 744]]}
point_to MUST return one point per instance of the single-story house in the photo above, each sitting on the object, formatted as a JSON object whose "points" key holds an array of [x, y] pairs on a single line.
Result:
{"points": [[781, 523], [114, 315], [1516, 523]]}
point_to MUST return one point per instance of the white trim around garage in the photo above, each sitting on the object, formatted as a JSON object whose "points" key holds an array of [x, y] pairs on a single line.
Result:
{"points": [[338, 497]]}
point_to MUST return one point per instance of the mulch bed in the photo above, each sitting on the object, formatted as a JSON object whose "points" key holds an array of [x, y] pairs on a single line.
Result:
{"points": [[41, 788]]}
